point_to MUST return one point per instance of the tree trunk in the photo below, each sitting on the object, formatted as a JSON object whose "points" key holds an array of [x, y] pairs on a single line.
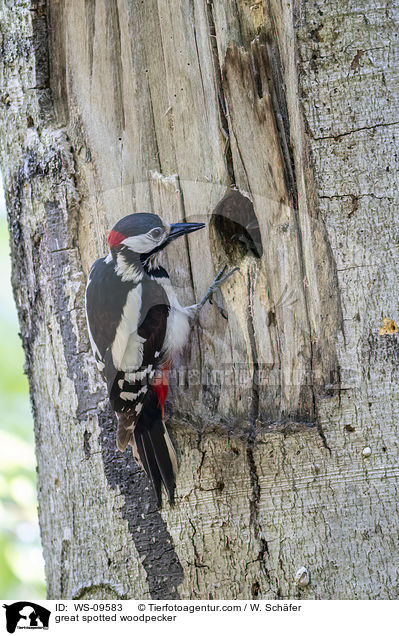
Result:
{"points": [[283, 415]]}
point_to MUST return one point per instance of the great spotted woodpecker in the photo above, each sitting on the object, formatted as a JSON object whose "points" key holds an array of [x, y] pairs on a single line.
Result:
{"points": [[136, 327]]}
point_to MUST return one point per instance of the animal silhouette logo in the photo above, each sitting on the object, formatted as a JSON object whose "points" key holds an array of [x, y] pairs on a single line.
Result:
{"points": [[26, 615]]}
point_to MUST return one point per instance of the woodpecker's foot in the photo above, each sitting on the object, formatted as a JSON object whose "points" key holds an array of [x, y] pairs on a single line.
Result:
{"points": [[218, 299], [214, 292]]}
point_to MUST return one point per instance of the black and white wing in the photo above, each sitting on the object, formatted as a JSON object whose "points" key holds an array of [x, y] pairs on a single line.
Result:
{"points": [[106, 296], [127, 326]]}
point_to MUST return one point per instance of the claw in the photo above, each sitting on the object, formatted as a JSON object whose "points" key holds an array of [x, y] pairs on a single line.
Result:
{"points": [[214, 288], [219, 302], [221, 271]]}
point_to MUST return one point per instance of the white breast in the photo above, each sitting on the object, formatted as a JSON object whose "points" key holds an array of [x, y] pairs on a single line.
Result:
{"points": [[178, 325]]}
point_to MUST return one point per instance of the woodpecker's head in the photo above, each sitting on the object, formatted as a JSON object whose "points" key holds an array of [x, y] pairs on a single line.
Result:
{"points": [[146, 234]]}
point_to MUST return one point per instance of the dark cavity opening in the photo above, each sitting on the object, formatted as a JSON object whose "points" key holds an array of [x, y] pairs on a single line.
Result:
{"points": [[236, 227]]}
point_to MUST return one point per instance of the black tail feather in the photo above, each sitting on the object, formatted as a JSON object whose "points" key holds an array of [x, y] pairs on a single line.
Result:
{"points": [[161, 452], [153, 449], [151, 465]]}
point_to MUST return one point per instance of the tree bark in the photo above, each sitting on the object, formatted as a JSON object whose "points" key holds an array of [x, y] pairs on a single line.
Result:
{"points": [[283, 416]]}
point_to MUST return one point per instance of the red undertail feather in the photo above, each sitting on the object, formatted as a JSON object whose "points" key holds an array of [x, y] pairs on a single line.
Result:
{"points": [[160, 386]]}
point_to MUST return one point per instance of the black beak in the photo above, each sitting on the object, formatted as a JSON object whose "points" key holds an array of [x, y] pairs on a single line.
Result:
{"points": [[178, 229]]}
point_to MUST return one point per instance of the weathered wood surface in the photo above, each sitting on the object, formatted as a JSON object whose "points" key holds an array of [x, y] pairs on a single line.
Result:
{"points": [[111, 107]]}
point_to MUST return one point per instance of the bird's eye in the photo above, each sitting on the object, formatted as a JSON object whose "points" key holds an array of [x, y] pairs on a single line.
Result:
{"points": [[156, 233]]}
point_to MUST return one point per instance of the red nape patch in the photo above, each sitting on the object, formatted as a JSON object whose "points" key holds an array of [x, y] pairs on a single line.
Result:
{"points": [[115, 238], [160, 386]]}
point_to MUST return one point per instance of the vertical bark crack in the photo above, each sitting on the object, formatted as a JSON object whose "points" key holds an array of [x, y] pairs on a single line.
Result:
{"points": [[254, 406], [223, 116], [254, 516], [278, 98]]}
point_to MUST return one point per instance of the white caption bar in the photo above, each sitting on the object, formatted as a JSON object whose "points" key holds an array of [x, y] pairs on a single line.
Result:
{"points": [[175, 617]]}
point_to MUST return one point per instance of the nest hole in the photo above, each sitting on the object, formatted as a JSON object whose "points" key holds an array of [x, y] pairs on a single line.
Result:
{"points": [[236, 227]]}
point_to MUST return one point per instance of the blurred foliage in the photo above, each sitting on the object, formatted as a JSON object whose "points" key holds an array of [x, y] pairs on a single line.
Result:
{"points": [[21, 562]]}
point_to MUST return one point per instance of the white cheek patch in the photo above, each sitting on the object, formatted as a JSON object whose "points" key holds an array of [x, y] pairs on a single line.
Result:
{"points": [[140, 244]]}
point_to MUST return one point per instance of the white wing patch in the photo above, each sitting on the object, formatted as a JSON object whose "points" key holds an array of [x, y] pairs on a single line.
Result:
{"points": [[134, 353], [138, 375], [131, 393], [127, 348], [127, 395]]}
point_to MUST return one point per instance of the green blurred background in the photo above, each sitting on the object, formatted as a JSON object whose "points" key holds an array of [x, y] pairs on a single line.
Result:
{"points": [[21, 562]]}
